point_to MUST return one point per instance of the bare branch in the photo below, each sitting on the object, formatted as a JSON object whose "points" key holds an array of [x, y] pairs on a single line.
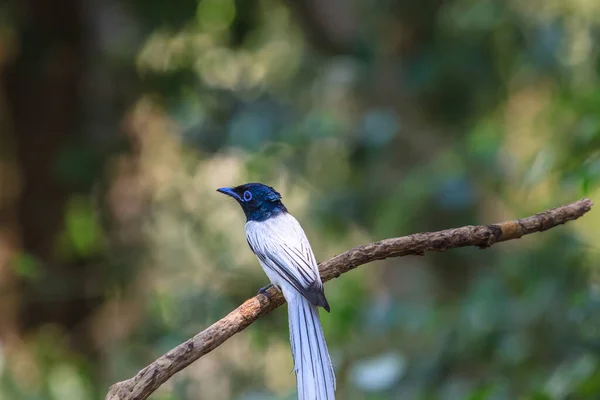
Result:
{"points": [[151, 377]]}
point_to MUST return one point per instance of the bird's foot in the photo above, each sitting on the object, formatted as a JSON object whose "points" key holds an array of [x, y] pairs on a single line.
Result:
{"points": [[263, 290]]}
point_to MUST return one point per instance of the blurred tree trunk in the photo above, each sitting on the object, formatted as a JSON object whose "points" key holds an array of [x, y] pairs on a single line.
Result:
{"points": [[65, 95], [43, 88], [9, 193]]}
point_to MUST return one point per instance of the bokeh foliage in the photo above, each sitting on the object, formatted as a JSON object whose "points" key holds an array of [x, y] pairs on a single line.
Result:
{"points": [[119, 119]]}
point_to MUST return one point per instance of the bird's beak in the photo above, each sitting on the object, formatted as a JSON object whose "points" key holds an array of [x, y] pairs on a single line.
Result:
{"points": [[229, 192]]}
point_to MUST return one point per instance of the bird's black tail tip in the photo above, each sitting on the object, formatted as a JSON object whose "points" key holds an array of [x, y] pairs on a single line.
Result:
{"points": [[316, 295], [324, 303]]}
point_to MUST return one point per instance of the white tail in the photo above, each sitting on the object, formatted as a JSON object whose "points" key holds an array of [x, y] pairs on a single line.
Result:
{"points": [[314, 373]]}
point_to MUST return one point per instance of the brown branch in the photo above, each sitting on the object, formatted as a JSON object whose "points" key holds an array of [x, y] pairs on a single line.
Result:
{"points": [[151, 377]]}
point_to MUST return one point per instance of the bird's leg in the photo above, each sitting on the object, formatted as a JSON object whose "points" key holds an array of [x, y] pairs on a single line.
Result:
{"points": [[263, 290]]}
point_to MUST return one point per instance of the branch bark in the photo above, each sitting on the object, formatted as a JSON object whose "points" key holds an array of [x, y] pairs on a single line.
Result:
{"points": [[151, 377]]}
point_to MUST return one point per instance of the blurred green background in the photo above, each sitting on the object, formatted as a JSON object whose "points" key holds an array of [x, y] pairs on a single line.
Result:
{"points": [[119, 119]]}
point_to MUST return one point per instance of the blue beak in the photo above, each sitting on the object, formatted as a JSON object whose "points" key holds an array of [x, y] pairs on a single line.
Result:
{"points": [[229, 192]]}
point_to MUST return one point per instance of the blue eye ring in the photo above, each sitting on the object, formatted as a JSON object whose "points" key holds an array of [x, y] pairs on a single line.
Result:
{"points": [[247, 195]]}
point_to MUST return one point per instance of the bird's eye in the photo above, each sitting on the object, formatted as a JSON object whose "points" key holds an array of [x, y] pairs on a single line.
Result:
{"points": [[247, 195]]}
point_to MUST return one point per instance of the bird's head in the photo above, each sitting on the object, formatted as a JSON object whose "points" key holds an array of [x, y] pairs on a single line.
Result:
{"points": [[259, 202]]}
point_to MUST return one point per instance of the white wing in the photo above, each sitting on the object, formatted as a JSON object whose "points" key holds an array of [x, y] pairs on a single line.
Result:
{"points": [[282, 247]]}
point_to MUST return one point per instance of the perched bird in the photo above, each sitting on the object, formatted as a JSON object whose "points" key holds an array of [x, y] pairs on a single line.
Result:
{"points": [[285, 254]]}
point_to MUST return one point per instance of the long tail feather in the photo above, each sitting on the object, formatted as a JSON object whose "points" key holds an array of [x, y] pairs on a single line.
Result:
{"points": [[314, 373]]}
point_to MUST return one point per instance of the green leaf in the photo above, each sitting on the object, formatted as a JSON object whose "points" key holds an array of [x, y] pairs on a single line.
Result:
{"points": [[27, 266]]}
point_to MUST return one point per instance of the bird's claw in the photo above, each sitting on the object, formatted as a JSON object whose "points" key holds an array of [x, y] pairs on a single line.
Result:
{"points": [[264, 290]]}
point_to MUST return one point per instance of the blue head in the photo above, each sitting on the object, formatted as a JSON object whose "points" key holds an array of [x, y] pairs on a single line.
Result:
{"points": [[259, 202]]}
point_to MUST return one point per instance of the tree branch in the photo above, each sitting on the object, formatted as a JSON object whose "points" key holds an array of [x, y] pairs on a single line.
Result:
{"points": [[151, 377]]}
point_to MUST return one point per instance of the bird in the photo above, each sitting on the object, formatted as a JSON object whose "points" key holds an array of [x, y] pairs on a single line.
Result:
{"points": [[283, 251]]}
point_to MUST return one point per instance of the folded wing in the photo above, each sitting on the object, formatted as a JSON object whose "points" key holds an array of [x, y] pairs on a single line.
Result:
{"points": [[282, 247]]}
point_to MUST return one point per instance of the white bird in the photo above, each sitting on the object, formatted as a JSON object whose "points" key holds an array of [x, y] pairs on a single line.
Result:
{"points": [[285, 255]]}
